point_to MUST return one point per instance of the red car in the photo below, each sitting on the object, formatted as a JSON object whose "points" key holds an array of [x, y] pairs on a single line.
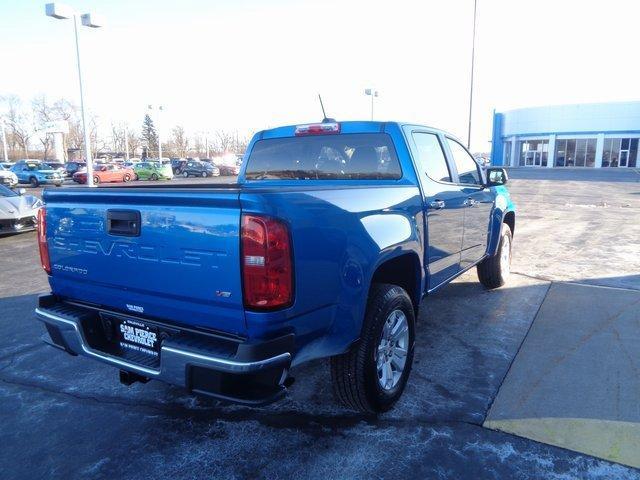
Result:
{"points": [[106, 173]]}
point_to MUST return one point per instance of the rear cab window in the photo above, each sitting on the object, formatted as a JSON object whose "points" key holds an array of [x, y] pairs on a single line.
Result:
{"points": [[354, 156], [431, 160]]}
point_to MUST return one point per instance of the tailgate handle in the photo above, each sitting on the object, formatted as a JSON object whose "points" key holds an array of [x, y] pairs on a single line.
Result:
{"points": [[125, 223]]}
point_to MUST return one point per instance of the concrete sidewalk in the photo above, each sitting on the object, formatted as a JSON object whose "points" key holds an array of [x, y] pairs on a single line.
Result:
{"points": [[575, 382]]}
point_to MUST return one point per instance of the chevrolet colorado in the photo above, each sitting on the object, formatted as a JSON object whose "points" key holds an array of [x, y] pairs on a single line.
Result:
{"points": [[325, 247]]}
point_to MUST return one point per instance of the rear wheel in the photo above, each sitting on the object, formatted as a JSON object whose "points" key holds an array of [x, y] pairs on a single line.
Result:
{"points": [[494, 271], [204, 174], [372, 375], [185, 174], [126, 177], [34, 182], [96, 180], [154, 177]]}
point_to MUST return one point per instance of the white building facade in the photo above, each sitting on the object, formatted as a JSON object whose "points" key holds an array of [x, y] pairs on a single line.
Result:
{"points": [[588, 135]]}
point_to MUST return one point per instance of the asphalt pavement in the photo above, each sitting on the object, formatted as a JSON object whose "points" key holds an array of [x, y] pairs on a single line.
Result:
{"points": [[69, 417]]}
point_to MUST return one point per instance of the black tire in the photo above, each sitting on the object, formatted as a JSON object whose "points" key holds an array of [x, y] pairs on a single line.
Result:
{"points": [[185, 174], [204, 174], [34, 182], [355, 374], [154, 177], [126, 178], [96, 180], [491, 271]]}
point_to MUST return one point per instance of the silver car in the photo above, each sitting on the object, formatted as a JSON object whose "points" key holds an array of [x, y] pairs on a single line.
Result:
{"points": [[18, 212], [7, 177]]}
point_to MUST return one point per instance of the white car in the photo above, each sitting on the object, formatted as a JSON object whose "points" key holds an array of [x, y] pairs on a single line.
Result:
{"points": [[7, 177], [18, 212]]}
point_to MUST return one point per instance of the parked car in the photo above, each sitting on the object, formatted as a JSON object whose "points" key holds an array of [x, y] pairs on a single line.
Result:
{"points": [[325, 247], [18, 211], [195, 168], [177, 165], [7, 177], [74, 167], [153, 171], [35, 172], [57, 167], [7, 165], [105, 173], [228, 169]]}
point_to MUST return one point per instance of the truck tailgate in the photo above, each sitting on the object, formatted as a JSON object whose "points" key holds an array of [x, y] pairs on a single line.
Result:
{"points": [[180, 264]]}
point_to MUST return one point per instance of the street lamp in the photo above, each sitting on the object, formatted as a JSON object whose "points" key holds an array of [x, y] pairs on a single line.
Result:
{"points": [[63, 12], [473, 58], [372, 93], [160, 109]]}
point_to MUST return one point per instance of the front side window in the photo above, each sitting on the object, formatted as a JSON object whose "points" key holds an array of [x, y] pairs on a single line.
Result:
{"points": [[358, 156], [431, 160], [465, 164]]}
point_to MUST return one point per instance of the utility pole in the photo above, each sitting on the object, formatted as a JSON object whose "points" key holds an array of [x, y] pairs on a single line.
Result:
{"points": [[473, 57]]}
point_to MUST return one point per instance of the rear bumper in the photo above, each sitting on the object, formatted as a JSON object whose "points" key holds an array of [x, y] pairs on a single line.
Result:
{"points": [[252, 374]]}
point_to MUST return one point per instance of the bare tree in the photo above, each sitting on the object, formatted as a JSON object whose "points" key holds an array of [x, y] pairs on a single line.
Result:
{"points": [[20, 125], [179, 141], [133, 140], [43, 113], [118, 138]]}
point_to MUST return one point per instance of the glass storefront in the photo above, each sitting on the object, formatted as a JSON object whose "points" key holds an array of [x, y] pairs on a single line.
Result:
{"points": [[575, 152], [507, 154], [533, 153], [620, 152]]}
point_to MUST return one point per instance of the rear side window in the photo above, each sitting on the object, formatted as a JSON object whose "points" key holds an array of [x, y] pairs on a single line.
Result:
{"points": [[358, 156], [465, 164], [431, 159]]}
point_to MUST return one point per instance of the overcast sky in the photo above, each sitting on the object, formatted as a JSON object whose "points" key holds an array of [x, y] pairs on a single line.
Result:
{"points": [[249, 64]]}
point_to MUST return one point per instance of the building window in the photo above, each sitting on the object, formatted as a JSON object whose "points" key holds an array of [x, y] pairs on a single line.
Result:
{"points": [[533, 153], [575, 152], [506, 156], [620, 152]]}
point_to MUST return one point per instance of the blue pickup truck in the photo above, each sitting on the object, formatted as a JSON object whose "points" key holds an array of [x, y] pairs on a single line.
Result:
{"points": [[324, 248]]}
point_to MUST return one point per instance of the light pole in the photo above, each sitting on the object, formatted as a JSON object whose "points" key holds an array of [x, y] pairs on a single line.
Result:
{"points": [[4, 141], [160, 109], [372, 93], [62, 12], [126, 142], [473, 57]]}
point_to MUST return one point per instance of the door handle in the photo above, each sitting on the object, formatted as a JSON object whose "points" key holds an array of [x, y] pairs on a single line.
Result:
{"points": [[470, 202], [436, 204], [125, 223]]}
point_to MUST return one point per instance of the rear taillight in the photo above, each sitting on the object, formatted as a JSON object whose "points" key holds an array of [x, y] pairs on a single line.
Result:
{"points": [[42, 240], [267, 271]]}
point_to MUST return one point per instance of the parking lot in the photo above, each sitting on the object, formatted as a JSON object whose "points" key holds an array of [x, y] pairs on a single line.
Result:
{"points": [[502, 384]]}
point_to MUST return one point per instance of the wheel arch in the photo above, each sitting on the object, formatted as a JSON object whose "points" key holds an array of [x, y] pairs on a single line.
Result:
{"points": [[510, 219], [403, 270]]}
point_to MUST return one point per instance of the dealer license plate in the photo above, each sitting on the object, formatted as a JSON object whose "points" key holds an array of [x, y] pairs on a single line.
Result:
{"points": [[137, 336]]}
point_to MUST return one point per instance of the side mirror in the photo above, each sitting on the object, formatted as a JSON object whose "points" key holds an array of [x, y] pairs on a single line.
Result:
{"points": [[496, 176], [22, 191]]}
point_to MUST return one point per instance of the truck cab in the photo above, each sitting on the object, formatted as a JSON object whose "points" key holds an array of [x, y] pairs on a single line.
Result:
{"points": [[324, 248]]}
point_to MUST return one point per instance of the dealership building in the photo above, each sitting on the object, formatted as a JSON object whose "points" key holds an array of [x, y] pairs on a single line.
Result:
{"points": [[588, 135]]}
